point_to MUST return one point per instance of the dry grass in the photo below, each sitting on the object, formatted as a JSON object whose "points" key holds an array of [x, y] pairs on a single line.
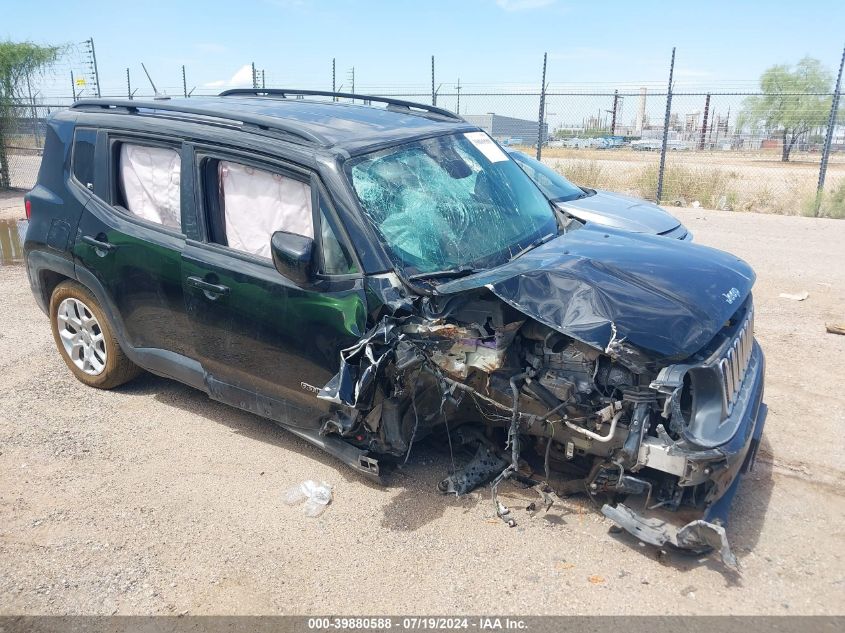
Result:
{"points": [[588, 173], [741, 181], [831, 204]]}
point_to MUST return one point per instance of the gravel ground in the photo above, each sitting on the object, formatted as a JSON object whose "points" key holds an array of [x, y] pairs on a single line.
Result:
{"points": [[154, 499]]}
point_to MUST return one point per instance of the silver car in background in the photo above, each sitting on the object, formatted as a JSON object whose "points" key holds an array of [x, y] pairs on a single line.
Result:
{"points": [[601, 207]]}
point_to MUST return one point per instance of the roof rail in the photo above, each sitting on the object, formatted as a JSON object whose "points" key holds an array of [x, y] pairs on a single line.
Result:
{"points": [[410, 106], [263, 123]]}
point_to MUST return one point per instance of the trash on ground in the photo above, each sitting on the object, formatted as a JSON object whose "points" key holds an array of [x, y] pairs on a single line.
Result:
{"points": [[835, 328], [316, 496], [798, 296]]}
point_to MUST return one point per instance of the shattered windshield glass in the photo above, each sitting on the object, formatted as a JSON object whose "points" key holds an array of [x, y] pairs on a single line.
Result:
{"points": [[450, 202]]}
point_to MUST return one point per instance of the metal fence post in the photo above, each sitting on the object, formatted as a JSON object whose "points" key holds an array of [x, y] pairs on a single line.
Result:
{"points": [[94, 61], [334, 79], [184, 83], [34, 112], [828, 139], [458, 110], [254, 77], [542, 110], [704, 124], [665, 130], [615, 110], [433, 92], [5, 175], [128, 85]]}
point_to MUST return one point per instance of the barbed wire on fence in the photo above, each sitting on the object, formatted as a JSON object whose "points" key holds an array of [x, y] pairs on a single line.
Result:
{"points": [[602, 136]]}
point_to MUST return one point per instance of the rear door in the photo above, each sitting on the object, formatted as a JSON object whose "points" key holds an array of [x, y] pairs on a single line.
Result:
{"points": [[266, 344], [130, 237]]}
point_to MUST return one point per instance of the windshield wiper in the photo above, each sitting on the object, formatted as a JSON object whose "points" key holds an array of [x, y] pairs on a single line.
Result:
{"points": [[534, 244], [449, 273]]}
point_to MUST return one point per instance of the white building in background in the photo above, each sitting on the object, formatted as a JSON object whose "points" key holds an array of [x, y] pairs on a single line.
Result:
{"points": [[508, 130]]}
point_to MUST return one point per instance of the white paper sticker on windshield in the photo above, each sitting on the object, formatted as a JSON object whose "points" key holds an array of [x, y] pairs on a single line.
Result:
{"points": [[486, 146]]}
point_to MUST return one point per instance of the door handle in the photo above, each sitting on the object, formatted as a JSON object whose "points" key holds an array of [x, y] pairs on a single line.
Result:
{"points": [[207, 287], [98, 244]]}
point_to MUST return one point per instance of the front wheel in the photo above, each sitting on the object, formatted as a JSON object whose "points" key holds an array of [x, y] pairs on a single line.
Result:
{"points": [[86, 339]]}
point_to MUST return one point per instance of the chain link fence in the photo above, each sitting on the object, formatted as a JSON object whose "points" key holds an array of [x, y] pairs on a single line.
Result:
{"points": [[714, 155]]}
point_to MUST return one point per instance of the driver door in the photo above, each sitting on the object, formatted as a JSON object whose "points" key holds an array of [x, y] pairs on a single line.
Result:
{"points": [[266, 344]]}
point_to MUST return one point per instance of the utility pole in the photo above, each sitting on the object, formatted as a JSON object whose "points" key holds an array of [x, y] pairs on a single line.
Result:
{"points": [[541, 118], [73, 85], [665, 128], [254, 77], [828, 139], [334, 79], [129, 85], [184, 82]]}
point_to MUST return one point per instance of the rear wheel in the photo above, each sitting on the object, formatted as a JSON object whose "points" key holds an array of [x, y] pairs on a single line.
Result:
{"points": [[86, 339]]}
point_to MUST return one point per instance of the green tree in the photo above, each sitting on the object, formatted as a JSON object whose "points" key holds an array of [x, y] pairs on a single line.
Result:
{"points": [[19, 63], [790, 105]]}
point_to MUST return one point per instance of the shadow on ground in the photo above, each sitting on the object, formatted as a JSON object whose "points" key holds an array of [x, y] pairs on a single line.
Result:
{"points": [[418, 503]]}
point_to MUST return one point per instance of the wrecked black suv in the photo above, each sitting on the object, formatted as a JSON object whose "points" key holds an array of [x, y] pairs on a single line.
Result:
{"points": [[371, 276]]}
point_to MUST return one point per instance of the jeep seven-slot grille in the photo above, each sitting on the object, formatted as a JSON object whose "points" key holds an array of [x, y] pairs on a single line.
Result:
{"points": [[734, 363]]}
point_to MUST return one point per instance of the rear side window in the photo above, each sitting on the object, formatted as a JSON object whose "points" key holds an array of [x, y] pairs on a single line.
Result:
{"points": [[84, 141], [148, 179]]}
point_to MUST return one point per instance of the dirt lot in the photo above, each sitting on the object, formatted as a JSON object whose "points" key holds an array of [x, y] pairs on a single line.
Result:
{"points": [[154, 499]]}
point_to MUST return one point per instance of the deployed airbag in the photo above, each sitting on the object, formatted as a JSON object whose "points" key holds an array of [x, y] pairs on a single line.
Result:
{"points": [[149, 178], [258, 203]]}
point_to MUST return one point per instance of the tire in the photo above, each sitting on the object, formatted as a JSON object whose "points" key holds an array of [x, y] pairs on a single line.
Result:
{"points": [[85, 338]]}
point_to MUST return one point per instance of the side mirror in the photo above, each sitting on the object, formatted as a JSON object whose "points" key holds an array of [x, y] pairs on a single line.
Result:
{"points": [[293, 256]]}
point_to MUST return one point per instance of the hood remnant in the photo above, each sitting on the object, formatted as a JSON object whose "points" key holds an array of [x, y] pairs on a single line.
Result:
{"points": [[593, 284], [565, 374]]}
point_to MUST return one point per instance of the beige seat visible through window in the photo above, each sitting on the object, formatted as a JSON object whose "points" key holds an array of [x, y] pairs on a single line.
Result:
{"points": [[257, 203], [149, 181]]}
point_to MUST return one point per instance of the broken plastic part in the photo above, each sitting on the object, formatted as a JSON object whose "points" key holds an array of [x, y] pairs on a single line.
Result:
{"points": [[483, 467], [697, 535]]}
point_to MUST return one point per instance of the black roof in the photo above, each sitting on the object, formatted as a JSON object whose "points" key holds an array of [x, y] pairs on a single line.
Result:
{"points": [[342, 124]]}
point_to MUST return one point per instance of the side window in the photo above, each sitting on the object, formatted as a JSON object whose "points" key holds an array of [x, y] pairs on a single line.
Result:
{"points": [[255, 203], [148, 183], [84, 141], [336, 259]]}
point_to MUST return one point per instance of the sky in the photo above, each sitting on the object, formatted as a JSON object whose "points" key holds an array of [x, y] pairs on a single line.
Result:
{"points": [[481, 42]]}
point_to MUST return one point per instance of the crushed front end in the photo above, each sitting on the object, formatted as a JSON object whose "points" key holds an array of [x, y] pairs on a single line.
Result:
{"points": [[527, 402]]}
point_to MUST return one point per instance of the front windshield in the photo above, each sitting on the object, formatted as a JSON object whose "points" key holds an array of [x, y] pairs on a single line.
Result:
{"points": [[555, 186], [451, 202]]}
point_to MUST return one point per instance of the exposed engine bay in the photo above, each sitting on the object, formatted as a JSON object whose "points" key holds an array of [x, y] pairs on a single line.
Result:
{"points": [[525, 402]]}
